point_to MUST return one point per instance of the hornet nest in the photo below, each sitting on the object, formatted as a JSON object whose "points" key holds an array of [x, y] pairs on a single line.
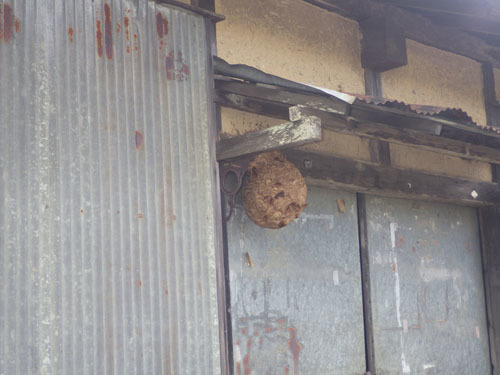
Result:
{"points": [[275, 194]]}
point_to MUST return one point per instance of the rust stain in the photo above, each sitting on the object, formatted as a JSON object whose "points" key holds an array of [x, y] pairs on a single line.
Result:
{"points": [[118, 28], [140, 215], [139, 139], [268, 329], [161, 25], [126, 23], [287, 370], [128, 49], [400, 241], [295, 348], [139, 283], [261, 341], [177, 69], [8, 17], [99, 38], [108, 31], [9, 23], [244, 331], [393, 267], [166, 291], [238, 368], [136, 43], [413, 249], [71, 33], [246, 364]]}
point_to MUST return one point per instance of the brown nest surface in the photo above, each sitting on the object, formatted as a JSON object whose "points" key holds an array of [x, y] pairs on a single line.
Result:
{"points": [[275, 194]]}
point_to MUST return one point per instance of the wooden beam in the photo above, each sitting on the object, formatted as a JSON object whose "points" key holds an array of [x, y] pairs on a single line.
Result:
{"points": [[491, 104], [347, 174], [205, 4], [489, 222], [215, 17], [418, 28], [383, 46], [291, 134], [373, 84], [276, 95], [276, 103], [380, 152]]}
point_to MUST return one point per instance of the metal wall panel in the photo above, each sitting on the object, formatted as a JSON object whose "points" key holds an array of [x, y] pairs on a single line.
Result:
{"points": [[106, 179], [296, 304], [427, 288]]}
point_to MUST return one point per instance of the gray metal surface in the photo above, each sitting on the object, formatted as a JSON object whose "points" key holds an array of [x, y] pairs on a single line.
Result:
{"points": [[427, 288], [298, 308], [106, 179]]}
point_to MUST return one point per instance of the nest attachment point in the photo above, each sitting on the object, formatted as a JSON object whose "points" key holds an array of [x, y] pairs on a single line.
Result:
{"points": [[276, 193]]}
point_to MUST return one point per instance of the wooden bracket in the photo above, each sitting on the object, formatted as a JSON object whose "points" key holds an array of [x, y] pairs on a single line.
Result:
{"points": [[383, 46], [301, 130]]}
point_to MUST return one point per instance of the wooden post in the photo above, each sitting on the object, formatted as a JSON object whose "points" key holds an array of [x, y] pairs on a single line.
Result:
{"points": [[489, 221]]}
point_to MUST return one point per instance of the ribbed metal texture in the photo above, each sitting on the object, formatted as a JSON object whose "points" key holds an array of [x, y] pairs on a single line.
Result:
{"points": [[106, 178]]}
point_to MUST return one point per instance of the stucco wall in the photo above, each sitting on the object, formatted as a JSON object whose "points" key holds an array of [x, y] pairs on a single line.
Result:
{"points": [[413, 158], [292, 39], [436, 77]]}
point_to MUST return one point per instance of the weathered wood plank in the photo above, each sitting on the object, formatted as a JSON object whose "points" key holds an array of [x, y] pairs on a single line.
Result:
{"points": [[366, 177], [296, 133], [489, 222], [380, 152], [215, 17], [405, 136], [275, 103], [277, 95]]}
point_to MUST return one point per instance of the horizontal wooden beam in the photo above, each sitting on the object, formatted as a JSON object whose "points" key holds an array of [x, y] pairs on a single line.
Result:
{"points": [[282, 96], [193, 8], [335, 172], [417, 27], [291, 134], [278, 106]]}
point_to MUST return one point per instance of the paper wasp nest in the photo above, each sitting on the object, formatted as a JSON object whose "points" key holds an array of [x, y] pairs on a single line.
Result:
{"points": [[275, 194]]}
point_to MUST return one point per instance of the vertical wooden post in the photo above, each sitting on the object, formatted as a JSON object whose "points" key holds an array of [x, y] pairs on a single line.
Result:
{"points": [[489, 221]]}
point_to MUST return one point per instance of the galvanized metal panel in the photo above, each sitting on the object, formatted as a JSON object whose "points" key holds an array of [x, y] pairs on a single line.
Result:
{"points": [[296, 304], [107, 172], [427, 288]]}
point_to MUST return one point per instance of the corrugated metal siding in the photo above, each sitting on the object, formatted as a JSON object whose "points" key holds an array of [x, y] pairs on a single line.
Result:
{"points": [[106, 221]]}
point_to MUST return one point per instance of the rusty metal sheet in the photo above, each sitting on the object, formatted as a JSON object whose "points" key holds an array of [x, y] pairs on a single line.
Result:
{"points": [[296, 304], [427, 288], [106, 180]]}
